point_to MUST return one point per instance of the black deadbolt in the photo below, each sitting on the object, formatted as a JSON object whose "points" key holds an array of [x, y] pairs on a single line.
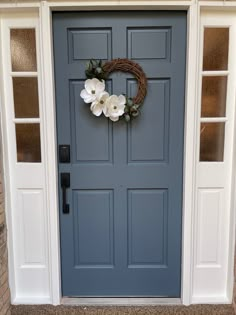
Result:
{"points": [[64, 153]]}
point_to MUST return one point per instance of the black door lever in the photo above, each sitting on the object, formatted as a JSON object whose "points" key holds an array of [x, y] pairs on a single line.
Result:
{"points": [[65, 183]]}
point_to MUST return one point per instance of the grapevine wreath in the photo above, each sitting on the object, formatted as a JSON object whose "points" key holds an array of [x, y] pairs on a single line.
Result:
{"points": [[112, 106]]}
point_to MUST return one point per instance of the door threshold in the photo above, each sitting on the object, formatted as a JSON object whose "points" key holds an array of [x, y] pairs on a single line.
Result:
{"points": [[120, 301]]}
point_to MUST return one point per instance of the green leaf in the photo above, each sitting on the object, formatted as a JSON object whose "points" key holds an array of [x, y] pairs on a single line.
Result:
{"points": [[127, 117], [90, 65], [99, 70], [88, 74], [130, 102], [87, 65], [94, 63], [133, 108], [135, 113], [126, 109]]}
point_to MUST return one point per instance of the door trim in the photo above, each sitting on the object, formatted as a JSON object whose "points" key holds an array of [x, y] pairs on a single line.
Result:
{"points": [[120, 301], [190, 140], [21, 292], [49, 144]]}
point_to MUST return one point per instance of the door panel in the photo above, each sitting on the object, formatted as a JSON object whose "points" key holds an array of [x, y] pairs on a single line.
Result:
{"points": [[141, 39], [122, 236], [145, 225], [96, 147], [94, 222], [149, 141]]}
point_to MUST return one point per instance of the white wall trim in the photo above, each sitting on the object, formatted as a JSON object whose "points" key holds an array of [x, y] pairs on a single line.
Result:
{"points": [[34, 300], [28, 265], [49, 117], [232, 236], [214, 299], [6, 174], [217, 4], [189, 163], [48, 123], [213, 277], [190, 155], [60, 4], [166, 4]]}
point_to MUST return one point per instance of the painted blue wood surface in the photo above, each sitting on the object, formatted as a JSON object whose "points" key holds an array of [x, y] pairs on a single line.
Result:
{"points": [[122, 236]]}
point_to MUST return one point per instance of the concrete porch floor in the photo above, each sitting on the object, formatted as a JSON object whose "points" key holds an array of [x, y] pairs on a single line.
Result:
{"points": [[123, 310]]}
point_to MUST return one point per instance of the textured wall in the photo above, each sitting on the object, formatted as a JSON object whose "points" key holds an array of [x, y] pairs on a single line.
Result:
{"points": [[4, 286]]}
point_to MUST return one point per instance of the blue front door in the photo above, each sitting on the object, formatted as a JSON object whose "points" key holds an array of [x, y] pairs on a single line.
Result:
{"points": [[122, 235]]}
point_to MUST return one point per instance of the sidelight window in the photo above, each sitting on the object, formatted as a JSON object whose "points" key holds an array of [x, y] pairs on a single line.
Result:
{"points": [[214, 94], [25, 91]]}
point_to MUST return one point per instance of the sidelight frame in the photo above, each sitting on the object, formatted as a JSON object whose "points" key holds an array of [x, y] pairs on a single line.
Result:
{"points": [[44, 11]]}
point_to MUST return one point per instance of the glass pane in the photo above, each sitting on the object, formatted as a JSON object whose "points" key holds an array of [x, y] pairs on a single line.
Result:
{"points": [[28, 143], [214, 90], [215, 53], [23, 50], [25, 92], [212, 142]]}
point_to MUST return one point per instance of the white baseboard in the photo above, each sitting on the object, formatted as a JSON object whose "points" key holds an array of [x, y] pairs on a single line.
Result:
{"points": [[32, 300], [211, 300]]}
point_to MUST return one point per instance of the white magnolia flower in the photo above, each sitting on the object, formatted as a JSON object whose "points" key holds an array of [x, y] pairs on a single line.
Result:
{"points": [[93, 88], [114, 107], [98, 105]]}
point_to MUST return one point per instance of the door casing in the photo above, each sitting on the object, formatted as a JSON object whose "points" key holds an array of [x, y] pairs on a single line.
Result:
{"points": [[190, 138], [48, 117]]}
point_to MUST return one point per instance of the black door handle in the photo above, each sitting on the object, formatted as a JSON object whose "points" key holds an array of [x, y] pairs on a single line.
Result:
{"points": [[65, 183]]}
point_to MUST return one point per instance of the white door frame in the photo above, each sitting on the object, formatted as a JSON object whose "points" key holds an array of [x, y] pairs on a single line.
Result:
{"points": [[49, 145], [189, 138]]}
